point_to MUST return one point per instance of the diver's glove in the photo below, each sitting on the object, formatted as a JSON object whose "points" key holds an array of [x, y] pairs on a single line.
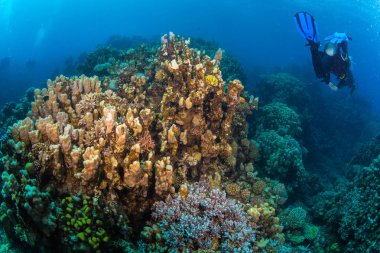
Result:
{"points": [[332, 86]]}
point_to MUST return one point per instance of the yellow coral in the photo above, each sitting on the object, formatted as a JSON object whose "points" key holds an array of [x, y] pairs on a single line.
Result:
{"points": [[211, 80], [254, 212]]}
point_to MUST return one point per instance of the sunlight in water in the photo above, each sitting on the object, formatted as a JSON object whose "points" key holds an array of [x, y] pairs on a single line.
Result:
{"points": [[5, 13]]}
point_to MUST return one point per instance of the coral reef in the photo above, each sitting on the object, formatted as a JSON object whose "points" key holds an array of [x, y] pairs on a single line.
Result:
{"points": [[155, 121], [139, 51], [297, 228], [350, 209], [12, 111], [322, 129], [281, 158], [25, 208], [330, 132], [367, 153], [278, 131], [108, 61], [262, 199], [229, 65], [283, 88], [280, 118]]}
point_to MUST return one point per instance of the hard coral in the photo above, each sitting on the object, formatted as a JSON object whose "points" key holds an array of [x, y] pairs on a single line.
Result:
{"points": [[281, 158], [81, 228], [282, 87], [206, 219], [280, 118], [297, 227], [132, 137], [351, 211], [22, 201], [262, 199]]}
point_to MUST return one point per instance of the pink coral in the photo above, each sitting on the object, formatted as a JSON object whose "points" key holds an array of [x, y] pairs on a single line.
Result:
{"points": [[205, 219]]}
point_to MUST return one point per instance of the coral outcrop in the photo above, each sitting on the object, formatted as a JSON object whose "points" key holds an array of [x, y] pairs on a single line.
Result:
{"points": [[13, 112], [283, 88], [280, 154], [297, 227], [82, 137], [263, 199], [281, 158], [124, 141], [280, 118], [351, 211]]}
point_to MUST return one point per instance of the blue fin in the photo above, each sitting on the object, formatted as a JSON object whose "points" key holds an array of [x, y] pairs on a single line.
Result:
{"points": [[306, 25]]}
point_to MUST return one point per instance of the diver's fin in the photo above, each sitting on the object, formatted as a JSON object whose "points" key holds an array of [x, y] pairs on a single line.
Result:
{"points": [[306, 25]]}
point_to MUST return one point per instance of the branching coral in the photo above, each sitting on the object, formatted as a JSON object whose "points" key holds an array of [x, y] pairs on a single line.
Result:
{"points": [[206, 219]]}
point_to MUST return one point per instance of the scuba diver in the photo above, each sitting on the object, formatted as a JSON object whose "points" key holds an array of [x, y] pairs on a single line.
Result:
{"points": [[333, 59]]}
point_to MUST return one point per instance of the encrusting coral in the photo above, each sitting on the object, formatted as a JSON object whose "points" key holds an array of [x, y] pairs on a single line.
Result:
{"points": [[133, 137]]}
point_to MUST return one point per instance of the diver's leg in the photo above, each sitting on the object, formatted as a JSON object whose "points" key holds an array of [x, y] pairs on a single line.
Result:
{"points": [[316, 57]]}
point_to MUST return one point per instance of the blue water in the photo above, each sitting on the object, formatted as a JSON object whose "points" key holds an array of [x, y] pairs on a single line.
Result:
{"points": [[314, 159], [258, 33]]}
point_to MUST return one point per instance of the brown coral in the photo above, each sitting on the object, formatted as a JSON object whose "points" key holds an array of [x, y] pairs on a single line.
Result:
{"points": [[258, 187], [233, 189], [156, 131]]}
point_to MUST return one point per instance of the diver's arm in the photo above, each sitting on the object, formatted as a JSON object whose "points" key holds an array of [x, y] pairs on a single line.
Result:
{"points": [[326, 79], [326, 67]]}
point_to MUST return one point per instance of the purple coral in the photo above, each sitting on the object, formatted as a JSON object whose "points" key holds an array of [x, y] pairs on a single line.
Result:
{"points": [[205, 219]]}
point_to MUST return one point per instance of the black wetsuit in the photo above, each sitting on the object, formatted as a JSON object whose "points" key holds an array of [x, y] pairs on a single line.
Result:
{"points": [[339, 65]]}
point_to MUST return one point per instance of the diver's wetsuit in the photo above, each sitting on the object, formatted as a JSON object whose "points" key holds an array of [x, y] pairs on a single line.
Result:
{"points": [[339, 65]]}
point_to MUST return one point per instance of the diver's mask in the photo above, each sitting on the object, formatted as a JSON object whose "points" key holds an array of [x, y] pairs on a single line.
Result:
{"points": [[331, 49]]}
